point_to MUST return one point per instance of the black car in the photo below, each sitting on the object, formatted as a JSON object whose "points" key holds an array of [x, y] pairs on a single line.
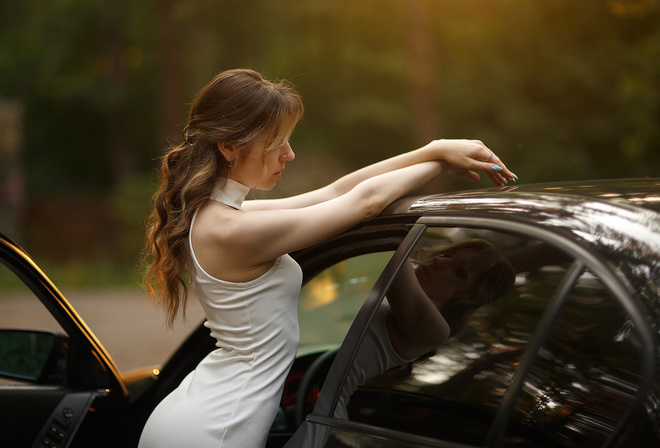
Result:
{"points": [[567, 357]]}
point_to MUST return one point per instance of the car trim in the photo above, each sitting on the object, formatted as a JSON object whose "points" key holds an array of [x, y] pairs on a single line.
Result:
{"points": [[380, 432]]}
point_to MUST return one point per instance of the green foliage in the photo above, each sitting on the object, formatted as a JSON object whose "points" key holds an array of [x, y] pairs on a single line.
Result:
{"points": [[57, 58], [548, 80], [559, 89], [130, 205]]}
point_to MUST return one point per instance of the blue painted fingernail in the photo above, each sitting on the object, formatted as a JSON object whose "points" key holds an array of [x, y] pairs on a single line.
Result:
{"points": [[515, 178], [496, 168]]}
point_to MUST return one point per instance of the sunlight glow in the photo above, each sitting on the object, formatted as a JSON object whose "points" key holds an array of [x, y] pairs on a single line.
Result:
{"points": [[633, 8], [322, 290]]}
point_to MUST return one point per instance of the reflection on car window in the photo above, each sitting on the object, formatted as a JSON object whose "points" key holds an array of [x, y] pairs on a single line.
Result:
{"points": [[586, 374], [20, 309], [329, 302], [583, 378], [451, 274]]}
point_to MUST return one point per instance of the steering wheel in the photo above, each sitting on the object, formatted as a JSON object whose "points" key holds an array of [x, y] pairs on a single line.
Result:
{"points": [[313, 378]]}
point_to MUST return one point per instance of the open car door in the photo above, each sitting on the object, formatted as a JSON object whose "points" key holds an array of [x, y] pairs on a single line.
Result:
{"points": [[52, 368]]}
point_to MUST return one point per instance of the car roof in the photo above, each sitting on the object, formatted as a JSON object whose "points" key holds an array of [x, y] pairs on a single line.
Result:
{"points": [[625, 209], [642, 193], [619, 220]]}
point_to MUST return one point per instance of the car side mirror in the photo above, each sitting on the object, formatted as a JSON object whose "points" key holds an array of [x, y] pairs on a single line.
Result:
{"points": [[33, 356]]}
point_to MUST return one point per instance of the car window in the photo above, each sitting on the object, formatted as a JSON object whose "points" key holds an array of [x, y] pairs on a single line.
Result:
{"points": [[582, 378], [586, 374], [21, 310], [328, 302]]}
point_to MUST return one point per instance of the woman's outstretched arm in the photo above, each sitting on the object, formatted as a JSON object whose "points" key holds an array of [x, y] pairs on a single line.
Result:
{"points": [[239, 244], [462, 158]]}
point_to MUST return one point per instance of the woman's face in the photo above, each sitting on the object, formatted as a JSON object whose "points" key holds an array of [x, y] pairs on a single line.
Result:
{"points": [[442, 276], [260, 169]]}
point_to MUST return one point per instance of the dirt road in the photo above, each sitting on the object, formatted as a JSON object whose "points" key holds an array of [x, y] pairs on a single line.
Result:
{"points": [[130, 327]]}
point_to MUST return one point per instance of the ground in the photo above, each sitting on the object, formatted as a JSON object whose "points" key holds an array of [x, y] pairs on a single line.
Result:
{"points": [[131, 328]]}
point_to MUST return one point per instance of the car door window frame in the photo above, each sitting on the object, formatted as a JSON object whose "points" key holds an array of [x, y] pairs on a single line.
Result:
{"points": [[332, 387], [540, 335], [94, 356], [584, 259]]}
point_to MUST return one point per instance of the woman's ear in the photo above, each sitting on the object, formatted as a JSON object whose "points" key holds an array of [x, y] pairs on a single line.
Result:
{"points": [[227, 150]]}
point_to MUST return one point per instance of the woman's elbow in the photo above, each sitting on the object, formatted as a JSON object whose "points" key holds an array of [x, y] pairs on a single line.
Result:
{"points": [[371, 201]]}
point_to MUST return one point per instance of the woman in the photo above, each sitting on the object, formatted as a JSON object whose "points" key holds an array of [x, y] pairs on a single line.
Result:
{"points": [[234, 252]]}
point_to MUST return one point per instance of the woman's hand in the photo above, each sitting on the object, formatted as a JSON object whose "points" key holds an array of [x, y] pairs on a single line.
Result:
{"points": [[462, 158]]}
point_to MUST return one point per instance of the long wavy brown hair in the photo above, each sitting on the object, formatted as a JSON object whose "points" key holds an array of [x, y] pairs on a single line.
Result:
{"points": [[238, 107]]}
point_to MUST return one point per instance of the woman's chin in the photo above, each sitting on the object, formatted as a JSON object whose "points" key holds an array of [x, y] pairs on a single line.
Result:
{"points": [[265, 187]]}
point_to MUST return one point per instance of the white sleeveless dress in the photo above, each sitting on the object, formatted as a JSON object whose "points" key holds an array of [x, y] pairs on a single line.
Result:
{"points": [[231, 398]]}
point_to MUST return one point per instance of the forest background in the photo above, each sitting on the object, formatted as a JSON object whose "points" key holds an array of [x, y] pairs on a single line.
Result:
{"points": [[91, 91]]}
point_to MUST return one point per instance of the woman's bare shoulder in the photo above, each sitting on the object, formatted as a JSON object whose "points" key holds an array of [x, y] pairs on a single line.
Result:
{"points": [[216, 222], [216, 239]]}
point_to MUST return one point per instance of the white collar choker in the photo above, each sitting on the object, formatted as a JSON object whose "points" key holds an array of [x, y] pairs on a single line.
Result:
{"points": [[231, 193]]}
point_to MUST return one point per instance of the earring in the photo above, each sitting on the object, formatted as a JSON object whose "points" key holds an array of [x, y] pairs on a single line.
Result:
{"points": [[231, 168]]}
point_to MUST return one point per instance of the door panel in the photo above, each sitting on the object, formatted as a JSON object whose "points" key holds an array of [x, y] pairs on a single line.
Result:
{"points": [[24, 411], [41, 416], [38, 404]]}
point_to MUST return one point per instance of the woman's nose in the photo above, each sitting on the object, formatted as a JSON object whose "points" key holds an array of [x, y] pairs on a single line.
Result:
{"points": [[288, 155]]}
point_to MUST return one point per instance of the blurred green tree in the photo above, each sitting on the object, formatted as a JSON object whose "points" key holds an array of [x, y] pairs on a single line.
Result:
{"points": [[560, 89]]}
